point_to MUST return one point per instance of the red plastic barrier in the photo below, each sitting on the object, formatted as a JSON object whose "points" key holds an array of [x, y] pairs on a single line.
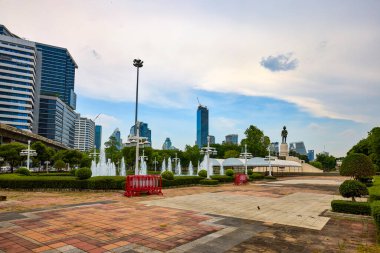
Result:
{"points": [[151, 184], [241, 179]]}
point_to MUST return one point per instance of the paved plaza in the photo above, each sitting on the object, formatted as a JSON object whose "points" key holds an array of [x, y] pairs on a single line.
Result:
{"points": [[288, 215]]}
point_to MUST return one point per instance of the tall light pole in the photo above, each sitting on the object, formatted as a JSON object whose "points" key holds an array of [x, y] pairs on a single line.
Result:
{"points": [[176, 159], [246, 155], [155, 164], [208, 151], [138, 64]]}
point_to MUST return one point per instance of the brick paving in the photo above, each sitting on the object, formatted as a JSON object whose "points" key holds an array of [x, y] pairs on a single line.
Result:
{"points": [[109, 222]]}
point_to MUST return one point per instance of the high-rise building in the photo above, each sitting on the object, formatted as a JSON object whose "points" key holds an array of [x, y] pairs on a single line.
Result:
{"points": [[212, 139], [144, 132], [98, 136], [20, 70], [116, 133], [58, 73], [37, 72], [167, 144], [84, 133], [298, 147], [202, 126], [57, 120], [232, 139], [274, 148], [310, 155]]}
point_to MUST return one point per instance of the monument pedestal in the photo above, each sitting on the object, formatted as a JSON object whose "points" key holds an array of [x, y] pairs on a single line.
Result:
{"points": [[284, 150]]}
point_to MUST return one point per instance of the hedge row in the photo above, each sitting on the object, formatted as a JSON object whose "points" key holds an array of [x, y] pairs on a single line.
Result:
{"points": [[222, 178], [96, 183], [209, 182], [181, 180], [344, 206], [376, 216]]}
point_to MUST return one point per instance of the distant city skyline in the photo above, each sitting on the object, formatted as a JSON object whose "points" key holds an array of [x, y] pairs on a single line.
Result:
{"points": [[303, 64]]}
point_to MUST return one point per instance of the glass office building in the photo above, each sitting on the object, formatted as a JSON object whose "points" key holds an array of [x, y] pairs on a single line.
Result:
{"points": [[202, 126], [144, 132], [58, 73], [57, 120], [298, 147], [98, 136], [232, 139], [19, 81], [84, 134]]}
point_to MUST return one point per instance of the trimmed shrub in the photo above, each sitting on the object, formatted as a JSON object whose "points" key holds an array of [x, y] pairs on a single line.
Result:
{"points": [[59, 164], [209, 182], [270, 177], [222, 178], [83, 173], [73, 172], [256, 176], [202, 173], [249, 172], [23, 171], [181, 180], [168, 175], [230, 172], [376, 216], [357, 165], [352, 189], [344, 206], [316, 164]]}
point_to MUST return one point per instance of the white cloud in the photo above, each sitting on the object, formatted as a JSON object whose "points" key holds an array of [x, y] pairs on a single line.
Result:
{"points": [[215, 48]]}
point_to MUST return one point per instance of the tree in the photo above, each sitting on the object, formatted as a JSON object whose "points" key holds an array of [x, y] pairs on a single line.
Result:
{"points": [[357, 166], [11, 153], [231, 154], [328, 161], [257, 142], [369, 146], [316, 164], [352, 189], [112, 150], [59, 164], [44, 153]]}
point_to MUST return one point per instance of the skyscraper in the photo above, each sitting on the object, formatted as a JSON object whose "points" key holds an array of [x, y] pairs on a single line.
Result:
{"points": [[84, 133], [212, 139], [202, 126], [20, 70], [232, 139], [98, 136], [274, 148], [144, 132], [298, 147], [167, 144], [310, 155], [58, 120], [116, 133]]}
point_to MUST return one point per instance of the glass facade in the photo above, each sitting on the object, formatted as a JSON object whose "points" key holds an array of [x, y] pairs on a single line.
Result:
{"points": [[144, 132], [116, 133], [57, 120], [299, 147], [19, 81], [58, 73], [167, 144], [98, 136], [232, 139], [310, 155], [202, 126]]}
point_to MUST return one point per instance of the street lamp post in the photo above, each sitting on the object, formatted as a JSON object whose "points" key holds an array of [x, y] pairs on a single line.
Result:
{"points": [[208, 151], [28, 153], [176, 159], [246, 155], [155, 164], [138, 64]]}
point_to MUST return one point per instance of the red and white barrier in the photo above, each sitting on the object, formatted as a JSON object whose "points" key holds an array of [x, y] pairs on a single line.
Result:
{"points": [[151, 184]]}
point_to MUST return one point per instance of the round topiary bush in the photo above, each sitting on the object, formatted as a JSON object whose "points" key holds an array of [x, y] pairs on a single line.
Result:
{"points": [[352, 189], [356, 166], [23, 171], [83, 173], [202, 173], [168, 175], [209, 182], [230, 172]]}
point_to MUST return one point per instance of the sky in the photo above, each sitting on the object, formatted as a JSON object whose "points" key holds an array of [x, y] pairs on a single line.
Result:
{"points": [[312, 66]]}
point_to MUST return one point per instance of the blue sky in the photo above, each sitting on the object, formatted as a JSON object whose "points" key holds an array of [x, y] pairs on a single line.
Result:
{"points": [[310, 65]]}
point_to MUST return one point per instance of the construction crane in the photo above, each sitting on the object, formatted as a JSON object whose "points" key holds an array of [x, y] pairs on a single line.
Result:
{"points": [[96, 117]]}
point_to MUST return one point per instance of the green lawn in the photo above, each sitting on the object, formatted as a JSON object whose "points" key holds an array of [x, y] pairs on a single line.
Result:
{"points": [[375, 189]]}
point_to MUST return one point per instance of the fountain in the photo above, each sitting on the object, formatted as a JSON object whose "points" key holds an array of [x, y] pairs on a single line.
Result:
{"points": [[123, 171], [179, 169], [191, 170], [163, 168], [170, 164], [104, 167]]}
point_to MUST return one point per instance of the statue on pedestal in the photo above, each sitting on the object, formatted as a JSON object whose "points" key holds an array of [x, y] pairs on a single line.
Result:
{"points": [[284, 134]]}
